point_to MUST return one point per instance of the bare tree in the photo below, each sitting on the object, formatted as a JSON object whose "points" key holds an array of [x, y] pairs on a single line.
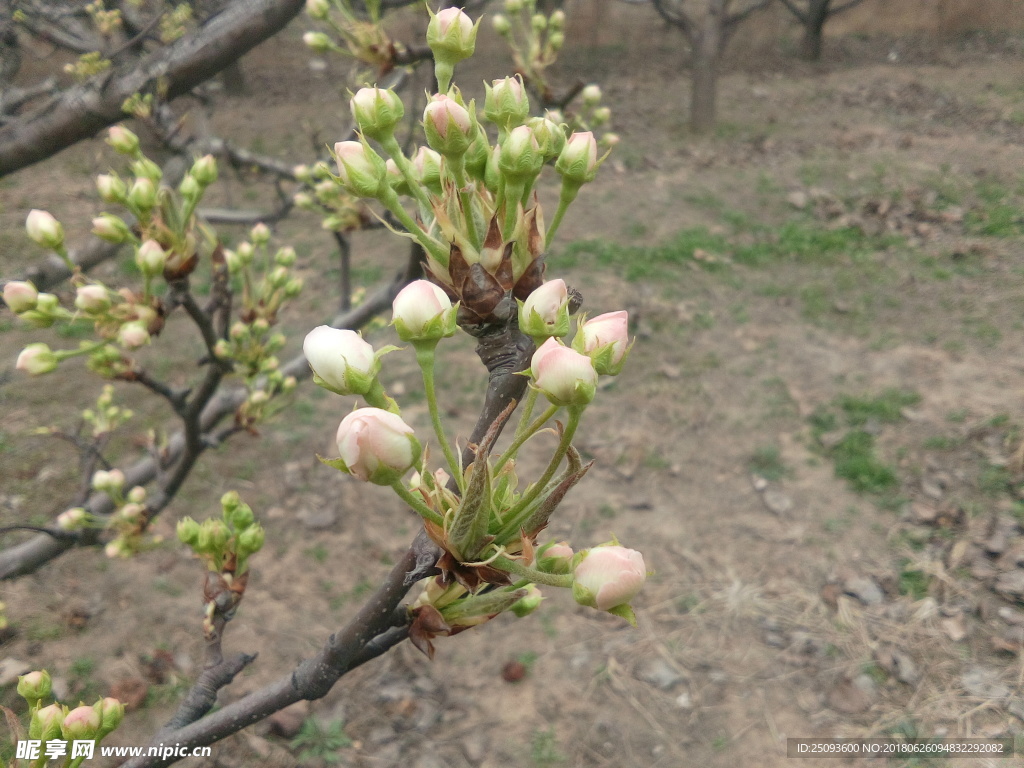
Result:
{"points": [[812, 15], [708, 37]]}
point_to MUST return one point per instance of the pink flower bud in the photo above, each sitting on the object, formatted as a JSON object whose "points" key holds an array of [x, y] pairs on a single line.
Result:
{"points": [[133, 335], [506, 103], [110, 228], [376, 445], [608, 576], [377, 112], [151, 258], [44, 230], [578, 161], [362, 171], [448, 126], [546, 311], [20, 296], [605, 339], [343, 362], [426, 168], [111, 712], [81, 723], [72, 519], [92, 299], [142, 195], [557, 558], [111, 189], [451, 35], [317, 42], [45, 723], [123, 140], [36, 359], [564, 375], [521, 157], [423, 312], [34, 686]]}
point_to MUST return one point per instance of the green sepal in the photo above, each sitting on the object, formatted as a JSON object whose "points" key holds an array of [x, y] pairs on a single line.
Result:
{"points": [[624, 611]]}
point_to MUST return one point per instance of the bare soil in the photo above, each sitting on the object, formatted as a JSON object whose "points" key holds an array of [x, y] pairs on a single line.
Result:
{"points": [[784, 601]]}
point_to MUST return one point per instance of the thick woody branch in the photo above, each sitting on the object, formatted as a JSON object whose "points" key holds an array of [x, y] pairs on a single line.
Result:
{"points": [[81, 111]]}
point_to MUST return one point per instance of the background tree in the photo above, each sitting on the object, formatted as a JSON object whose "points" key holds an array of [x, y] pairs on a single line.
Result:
{"points": [[708, 35], [812, 15]]}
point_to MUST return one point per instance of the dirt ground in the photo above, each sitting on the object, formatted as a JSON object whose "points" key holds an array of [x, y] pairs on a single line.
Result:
{"points": [[815, 444]]}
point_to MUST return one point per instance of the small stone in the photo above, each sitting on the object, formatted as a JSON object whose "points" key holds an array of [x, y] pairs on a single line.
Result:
{"points": [[758, 482], [777, 502], [797, 199], [474, 747], [1011, 615], [774, 640], [851, 697], [513, 671], [382, 734], [11, 669], [1010, 584], [984, 682], [659, 673], [906, 670], [954, 628], [865, 590], [318, 519], [931, 488], [287, 722], [683, 701], [924, 514]]}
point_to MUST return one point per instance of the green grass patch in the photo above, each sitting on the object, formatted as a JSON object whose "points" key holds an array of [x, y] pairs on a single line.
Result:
{"points": [[766, 461], [857, 463], [885, 408]]}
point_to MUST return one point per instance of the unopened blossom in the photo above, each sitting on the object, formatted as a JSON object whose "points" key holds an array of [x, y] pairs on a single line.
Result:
{"points": [[44, 229], [448, 126], [608, 576], [605, 339], [423, 312], [92, 299], [376, 445], [342, 360], [577, 162], [564, 375], [20, 296], [36, 359], [546, 311]]}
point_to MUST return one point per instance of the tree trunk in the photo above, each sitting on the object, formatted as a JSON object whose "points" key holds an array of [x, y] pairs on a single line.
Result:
{"points": [[814, 25], [707, 52]]}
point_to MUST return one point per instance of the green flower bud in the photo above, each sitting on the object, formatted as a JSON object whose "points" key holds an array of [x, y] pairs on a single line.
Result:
{"points": [[448, 126], [190, 189], [44, 230], [122, 140], [147, 169], [377, 112], [250, 541], [506, 104], [36, 359], [111, 188], [111, 713], [204, 170], [521, 158], [362, 171], [34, 686], [501, 24], [45, 723], [111, 228], [318, 42], [81, 723], [528, 604], [142, 195]]}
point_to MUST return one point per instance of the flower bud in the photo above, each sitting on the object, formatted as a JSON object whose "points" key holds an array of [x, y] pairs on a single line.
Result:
{"points": [[557, 20], [395, 178], [528, 604], [142, 195], [250, 540], [44, 230], [189, 189], [36, 359], [260, 234], [111, 713], [564, 375], [317, 9], [317, 42], [188, 531], [122, 140], [426, 169], [556, 559], [20, 296], [285, 257], [451, 36], [610, 140], [34, 686], [377, 112], [111, 228], [608, 576], [133, 335], [501, 24], [111, 188], [546, 311], [151, 258], [245, 252], [362, 171], [341, 360], [81, 723], [539, 22], [118, 547], [601, 116], [109, 482], [591, 95], [304, 201], [448, 125], [549, 135], [423, 312], [45, 723], [293, 288], [144, 168], [204, 170], [131, 512], [137, 495], [376, 445], [72, 519], [513, 6], [92, 299], [605, 339], [506, 104], [521, 158], [577, 163], [556, 40]]}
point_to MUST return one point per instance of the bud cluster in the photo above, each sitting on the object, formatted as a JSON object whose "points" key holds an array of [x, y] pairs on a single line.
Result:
{"points": [[58, 722], [127, 523], [225, 544], [361, 36]]}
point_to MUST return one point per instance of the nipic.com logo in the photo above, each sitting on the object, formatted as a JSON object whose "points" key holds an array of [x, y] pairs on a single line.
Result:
{"points": [[35, 749]]}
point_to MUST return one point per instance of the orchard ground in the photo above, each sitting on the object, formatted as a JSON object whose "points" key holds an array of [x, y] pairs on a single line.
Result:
{"points": [[815, 444]]}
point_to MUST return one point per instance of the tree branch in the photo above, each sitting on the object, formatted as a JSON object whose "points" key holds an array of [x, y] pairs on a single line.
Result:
{"points": [[81, 111]]}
